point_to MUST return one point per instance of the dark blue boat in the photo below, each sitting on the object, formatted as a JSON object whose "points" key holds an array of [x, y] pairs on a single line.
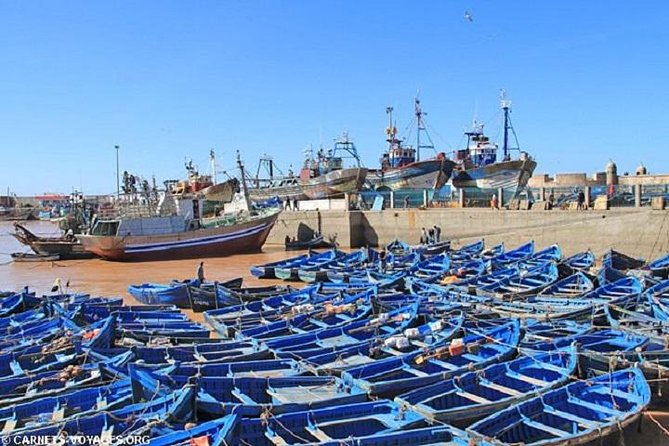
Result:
{"points": [[579, 413], [479, 348], [467, 398]]}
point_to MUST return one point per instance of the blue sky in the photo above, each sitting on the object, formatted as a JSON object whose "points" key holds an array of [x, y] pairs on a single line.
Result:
{"points": [[168, 80]]}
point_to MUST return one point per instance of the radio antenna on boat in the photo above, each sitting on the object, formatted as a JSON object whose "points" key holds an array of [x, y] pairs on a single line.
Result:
{"points": [[420, 127]]}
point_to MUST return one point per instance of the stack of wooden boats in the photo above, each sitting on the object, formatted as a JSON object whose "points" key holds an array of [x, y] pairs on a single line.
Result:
{"points": [[468, 346]]}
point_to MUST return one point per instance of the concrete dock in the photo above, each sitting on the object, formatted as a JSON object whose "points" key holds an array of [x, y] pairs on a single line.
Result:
{"points": [[640, 232]]}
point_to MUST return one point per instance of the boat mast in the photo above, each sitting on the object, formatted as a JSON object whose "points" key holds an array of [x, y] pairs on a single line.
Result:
{"points": [[243, 178], [420, 127], [506, 105], [391, 131], [212, 163]]}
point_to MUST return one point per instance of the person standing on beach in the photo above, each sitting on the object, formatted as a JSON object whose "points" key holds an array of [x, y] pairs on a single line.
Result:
{"points": [[200, 272]]}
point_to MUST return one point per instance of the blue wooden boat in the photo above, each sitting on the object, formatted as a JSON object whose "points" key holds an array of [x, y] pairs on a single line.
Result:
{"points": [[579, 262], [266, 271], [515, 255], [551, 254], [354, 332], [427, 436], [463, 272], [175, 406], [398, 248], [433, 249], [660, 267], [291, 272], [250, 396], [479, 348], [16, 390], [492, 252], [217, 295], [336, 358], [462, 400], [539, 332], [17, 303], [79, 402], [622, 290], [261, 368], [347, 262], [229, 351], [585, 411], [468, 252], [621, 262], [155, 293], [322, 317], [491, 278], [659, 295], [217, 432], [227, 320], [337, 424], [571, 286], [525, 282], [434, 267]]}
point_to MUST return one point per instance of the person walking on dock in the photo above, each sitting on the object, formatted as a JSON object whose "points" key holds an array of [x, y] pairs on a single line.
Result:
{"points": [[437, 234], [200, 273], [580, 201], [423, 237]]}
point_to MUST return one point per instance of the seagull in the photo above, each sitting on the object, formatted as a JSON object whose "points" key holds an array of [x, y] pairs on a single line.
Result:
{"points": [[469, 16]]}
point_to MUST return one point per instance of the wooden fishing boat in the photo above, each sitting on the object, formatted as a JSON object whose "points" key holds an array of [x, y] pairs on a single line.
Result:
{"points": [[261, 368], [427, 436], [217, 432], [621, 262], [218, 295], [178, 236], [291, 272], [392, 376], [317, 242], [571, 286], [327, 358], [159, 294], [60, 248], [324, 175], [467, 252], [176, 406], [660, 267], [524, 283], [78, 402], [579, 262], [319, 273], [322, 317], [337, 424], [266, 271], [579, 413], [541, 331], [515, 255], [228, 351], [433, 249], [250, 396], [31, 257], [462, 400]]}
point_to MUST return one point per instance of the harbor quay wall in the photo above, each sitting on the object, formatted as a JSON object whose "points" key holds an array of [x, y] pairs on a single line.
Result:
{"points": [[634, 231]]}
